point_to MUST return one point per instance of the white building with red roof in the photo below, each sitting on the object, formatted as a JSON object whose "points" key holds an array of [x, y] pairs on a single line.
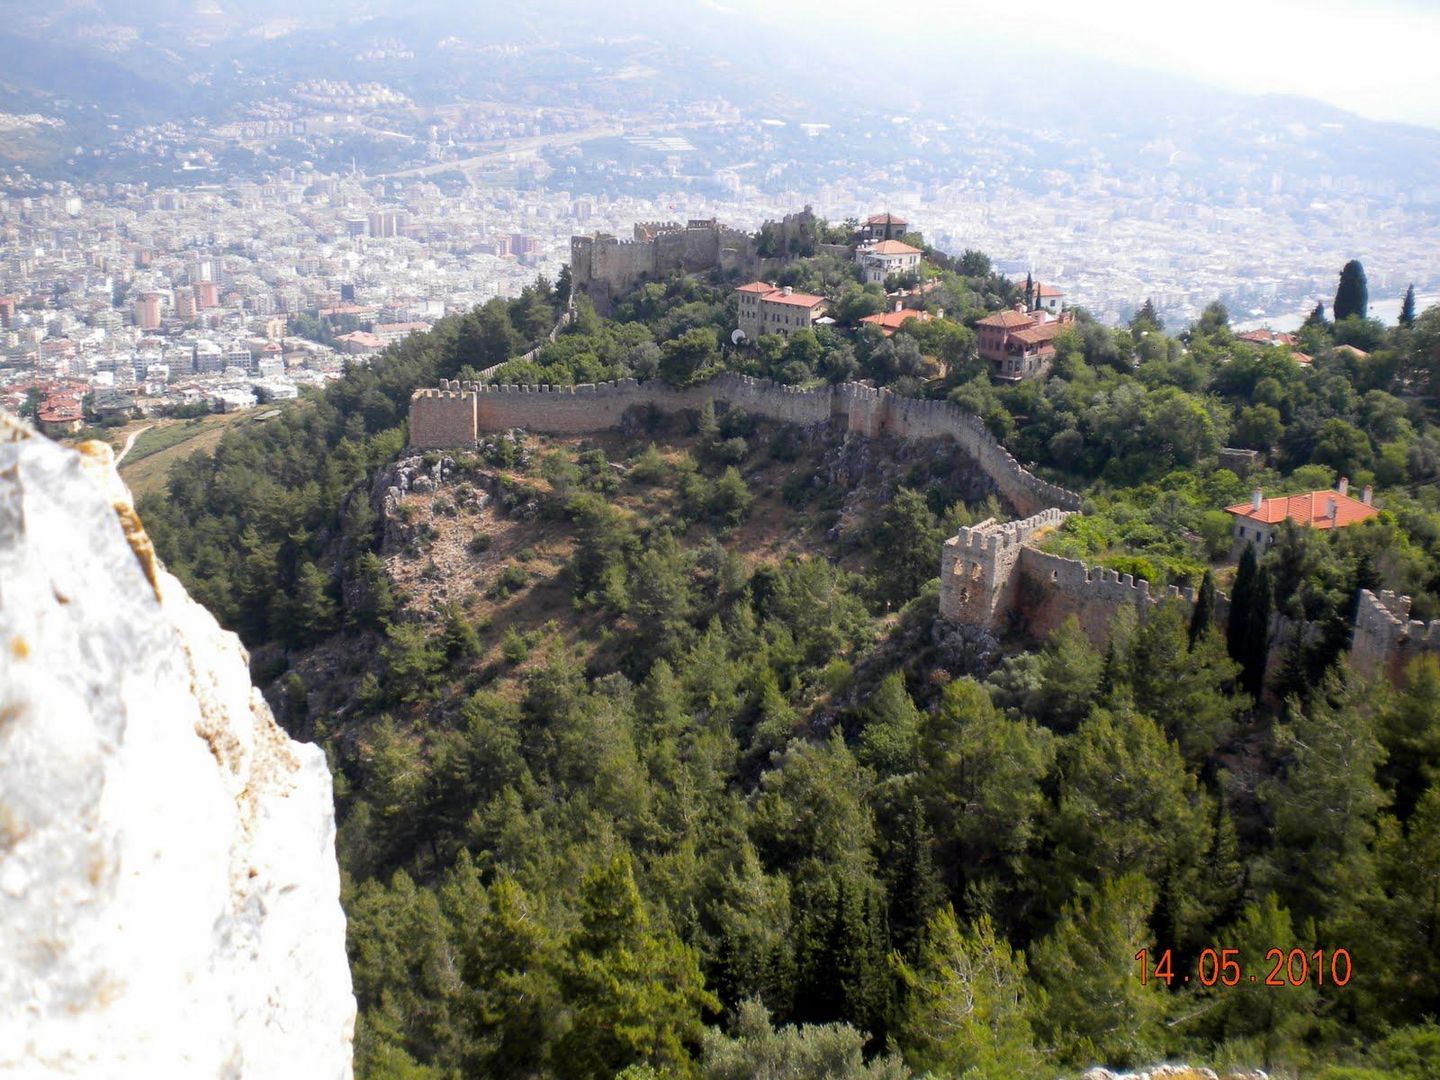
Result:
{"points": [[770, 309], [881, 258], [1257, 521]]}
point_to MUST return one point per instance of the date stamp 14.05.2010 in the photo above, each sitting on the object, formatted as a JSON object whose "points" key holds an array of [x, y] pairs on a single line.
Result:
{"points": [[1226, 967]]}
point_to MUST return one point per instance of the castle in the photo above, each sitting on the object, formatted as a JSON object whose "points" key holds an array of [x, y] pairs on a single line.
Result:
{"points": [[455, 414], [604, 267], [992, 575]]}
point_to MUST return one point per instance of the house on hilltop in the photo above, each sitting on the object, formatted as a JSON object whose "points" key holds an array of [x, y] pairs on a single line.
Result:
{"points": [[1020, 344], [879, 259], [1041, 297], [1257, 521], [885, 226], [768, 309], [890, 321]]}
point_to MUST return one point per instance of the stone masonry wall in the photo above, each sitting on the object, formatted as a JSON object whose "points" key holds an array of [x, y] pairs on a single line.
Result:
{"points": [[1386, 639], [978, 579], [438, 418], [991, 576], [441, 419]]}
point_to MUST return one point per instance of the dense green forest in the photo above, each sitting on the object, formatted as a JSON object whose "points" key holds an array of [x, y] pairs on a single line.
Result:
{"points": [[691, 784]]}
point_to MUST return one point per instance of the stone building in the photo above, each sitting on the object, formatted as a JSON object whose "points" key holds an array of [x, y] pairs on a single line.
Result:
{"points": [[766, 309], [885, 226]]}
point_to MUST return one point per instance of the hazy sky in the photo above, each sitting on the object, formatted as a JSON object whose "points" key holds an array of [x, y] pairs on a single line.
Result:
{"points": [[1380, 58]]}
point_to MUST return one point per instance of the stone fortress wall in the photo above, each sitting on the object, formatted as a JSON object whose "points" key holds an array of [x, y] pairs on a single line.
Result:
{"points": [[455, 414], [1386, 639], [992, 575], [603, 266]]}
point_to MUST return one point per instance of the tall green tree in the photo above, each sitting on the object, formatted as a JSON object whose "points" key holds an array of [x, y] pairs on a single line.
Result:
{"points": [[967, 1010], [1407, 307], [634, 994], [1126, 802], [1242, 599], [1325, 802], [1204, 613], [1095, 1006], [980, 780], [1273, 1019], [907, 538], [1352, 297], [1183, 686]]}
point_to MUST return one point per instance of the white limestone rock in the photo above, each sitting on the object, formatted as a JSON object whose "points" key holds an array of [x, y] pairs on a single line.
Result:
{"points": [[169, 896]]}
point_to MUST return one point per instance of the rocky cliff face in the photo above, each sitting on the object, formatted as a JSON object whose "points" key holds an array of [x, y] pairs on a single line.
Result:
{"points": [[169, 896]]}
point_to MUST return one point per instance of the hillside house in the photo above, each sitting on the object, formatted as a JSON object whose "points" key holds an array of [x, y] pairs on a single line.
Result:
{"points": [[892, 320], [1257, 521], [879, 259], [1020, 344], [884, 227], [768, 309]]}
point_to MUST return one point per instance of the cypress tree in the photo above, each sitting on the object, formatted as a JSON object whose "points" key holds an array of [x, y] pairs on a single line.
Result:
{"points": [[1316, 317], [914, 890], [1241, 597], [1407, 309], [1353, 296], [1257, 635], [1204, 613]]}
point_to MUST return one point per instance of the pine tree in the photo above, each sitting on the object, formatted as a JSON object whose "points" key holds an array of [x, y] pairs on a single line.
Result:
{"points": [[1278, 1019], [1407, 309], [913, 883], [1352, 297], [1204, 613], [968, 1013], [1096, 1008], [635, 994]]}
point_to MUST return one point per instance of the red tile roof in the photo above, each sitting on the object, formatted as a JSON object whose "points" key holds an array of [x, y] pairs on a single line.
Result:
{"points": [[1312, 508], [1048, 290], [1038, 335], [798, 299], [1266, 337], [890, 321], [891, 247], [756, 287], [885, 219], [1007, 320]]}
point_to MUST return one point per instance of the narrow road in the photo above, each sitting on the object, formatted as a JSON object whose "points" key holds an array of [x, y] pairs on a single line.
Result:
{"points": [[131, 442]]}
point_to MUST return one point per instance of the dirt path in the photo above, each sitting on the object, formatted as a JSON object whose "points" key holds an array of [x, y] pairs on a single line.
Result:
{"points": [[131, 442]]}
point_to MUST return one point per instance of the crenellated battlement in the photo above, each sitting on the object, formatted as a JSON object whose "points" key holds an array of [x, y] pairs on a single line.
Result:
{"points": [[868, 411], [1386, 639], [992, 575]]}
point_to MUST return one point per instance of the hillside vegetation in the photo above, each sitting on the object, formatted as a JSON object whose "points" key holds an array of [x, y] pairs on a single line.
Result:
{"points": [[653, 758]]}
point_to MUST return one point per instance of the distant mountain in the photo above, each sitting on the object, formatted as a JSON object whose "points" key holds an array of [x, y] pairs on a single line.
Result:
{"points": [[149, 60]]}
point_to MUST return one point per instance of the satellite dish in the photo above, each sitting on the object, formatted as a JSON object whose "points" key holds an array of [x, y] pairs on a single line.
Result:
{"points": [[737, 337]]}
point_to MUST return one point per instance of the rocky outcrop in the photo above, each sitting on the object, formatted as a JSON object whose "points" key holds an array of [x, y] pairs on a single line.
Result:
{"points": [[169, 896]]}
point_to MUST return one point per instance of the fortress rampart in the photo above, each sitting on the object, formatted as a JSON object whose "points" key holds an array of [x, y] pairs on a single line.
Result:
{"points": [[439, 420], [1386, 639], [993, 576], [604, 267]]}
